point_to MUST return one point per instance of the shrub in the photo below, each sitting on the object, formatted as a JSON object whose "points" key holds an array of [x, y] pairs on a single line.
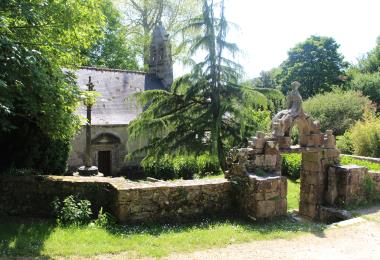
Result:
{"points": [[105, 219], [72, 211], [160, 168], [208, 165], [338, 110], [344, 143], [291, 165], [185, 167], [365, 136], [368, 84], [20, 172]]}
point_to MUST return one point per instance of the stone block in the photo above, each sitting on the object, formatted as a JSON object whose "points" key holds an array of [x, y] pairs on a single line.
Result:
{"points": [[265, 209], [281, 207], [308, 210], [271, 148], [311, 156], [274, 195], [259, 160], [312, 166], [270, 160]]}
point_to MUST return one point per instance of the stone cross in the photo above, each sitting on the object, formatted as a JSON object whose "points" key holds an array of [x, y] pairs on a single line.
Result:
{"points": [[87, 157], [88, 169]]}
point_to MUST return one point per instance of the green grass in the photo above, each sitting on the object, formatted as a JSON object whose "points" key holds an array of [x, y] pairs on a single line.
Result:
{"points": [[25, 237], [344, 160], [293, 194]]}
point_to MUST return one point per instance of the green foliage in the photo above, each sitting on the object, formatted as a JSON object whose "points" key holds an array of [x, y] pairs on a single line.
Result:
{"points": [[58, 29], [365, 136], [368, 84], [114, 50], [105, 219], [316, 64], [38, 237], [338, 110], [160, 168], [346, 160], [39, 121], [371, 63], [291, 165], [205, 111], [20, 172], [185, 167], [37, 98], [344, 143], [208, 165], [142, 16], [72, 211]]}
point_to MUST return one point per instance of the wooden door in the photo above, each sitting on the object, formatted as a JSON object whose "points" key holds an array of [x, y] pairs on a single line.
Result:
{"points": [[104, 162]]}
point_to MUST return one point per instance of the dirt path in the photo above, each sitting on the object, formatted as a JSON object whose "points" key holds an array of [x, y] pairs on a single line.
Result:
{"points": [[354, 239]]}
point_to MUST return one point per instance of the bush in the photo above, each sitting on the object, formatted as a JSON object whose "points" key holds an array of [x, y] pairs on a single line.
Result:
{"points": [[208, 165], [72, 211], [365, 136], [368, 84], [160, 168], [291, 165], [185, 167], [105, 219], [338, 110], [344, 143]]}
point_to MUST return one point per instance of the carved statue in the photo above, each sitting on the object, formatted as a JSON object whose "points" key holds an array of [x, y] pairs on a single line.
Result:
{"points": [[283, 120]]}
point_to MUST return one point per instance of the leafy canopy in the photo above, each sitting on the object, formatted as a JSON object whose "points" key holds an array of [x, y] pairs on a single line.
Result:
{"points": [[206, 110], [316, 64], [114, 50]]}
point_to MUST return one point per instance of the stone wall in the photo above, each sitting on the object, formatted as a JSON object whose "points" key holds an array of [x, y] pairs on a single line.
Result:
{"points": [[180, 200], [264, 197], [129, 202], [347, 185], [33, 195]]}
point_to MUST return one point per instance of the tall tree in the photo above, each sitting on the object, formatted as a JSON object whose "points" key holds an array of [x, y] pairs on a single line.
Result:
{"points": [[316, 64], [371, 62], [59, 29], [206, 109], [37, 98], [142, 16], [114, 50]]}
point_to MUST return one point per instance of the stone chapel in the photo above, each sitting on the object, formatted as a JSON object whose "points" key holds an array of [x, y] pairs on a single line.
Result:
{"points": [[115, 107]]}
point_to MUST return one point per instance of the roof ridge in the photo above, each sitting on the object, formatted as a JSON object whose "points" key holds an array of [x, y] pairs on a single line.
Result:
{"points": [[115, 70]]}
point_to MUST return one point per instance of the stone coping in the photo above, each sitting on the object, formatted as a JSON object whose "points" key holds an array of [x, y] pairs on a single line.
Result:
{"points": [[120, 183], [363, 158]]}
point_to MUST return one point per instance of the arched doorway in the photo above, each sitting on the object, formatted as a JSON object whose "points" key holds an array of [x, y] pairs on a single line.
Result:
{"points": [[105, 150]]}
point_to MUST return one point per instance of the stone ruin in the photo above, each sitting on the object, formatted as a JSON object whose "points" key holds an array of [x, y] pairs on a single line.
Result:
{"points": [[262, 160]]}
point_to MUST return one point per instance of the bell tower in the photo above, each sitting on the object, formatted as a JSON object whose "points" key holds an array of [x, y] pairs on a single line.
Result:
{"points": [[160, 62]]}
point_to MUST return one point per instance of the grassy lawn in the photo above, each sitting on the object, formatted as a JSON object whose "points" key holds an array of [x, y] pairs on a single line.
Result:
{"points": [[344, 160], [26, 237], [293, 194]]}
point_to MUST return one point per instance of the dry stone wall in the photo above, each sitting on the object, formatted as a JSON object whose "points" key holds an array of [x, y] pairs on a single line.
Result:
{"points": [[351, 184]]}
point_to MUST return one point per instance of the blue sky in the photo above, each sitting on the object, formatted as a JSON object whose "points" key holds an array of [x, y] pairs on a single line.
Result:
{"points": [[269, 28]]}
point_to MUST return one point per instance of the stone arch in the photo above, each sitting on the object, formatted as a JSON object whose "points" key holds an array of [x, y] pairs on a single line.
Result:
{"points": [[106, 154], [106, 138]]}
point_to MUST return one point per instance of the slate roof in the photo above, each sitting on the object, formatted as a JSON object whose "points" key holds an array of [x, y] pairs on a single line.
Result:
{"points": [[115, 105]]}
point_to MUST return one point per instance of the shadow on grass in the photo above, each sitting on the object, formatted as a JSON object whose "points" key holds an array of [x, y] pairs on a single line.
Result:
{"points": [[280, 226], [23, 237]]}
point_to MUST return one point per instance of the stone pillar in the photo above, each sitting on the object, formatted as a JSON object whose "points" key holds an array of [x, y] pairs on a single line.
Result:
{"points": [[312, 183]]}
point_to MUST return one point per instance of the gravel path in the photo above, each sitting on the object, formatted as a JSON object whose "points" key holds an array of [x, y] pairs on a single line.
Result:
{"points": [[353, 239]]}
